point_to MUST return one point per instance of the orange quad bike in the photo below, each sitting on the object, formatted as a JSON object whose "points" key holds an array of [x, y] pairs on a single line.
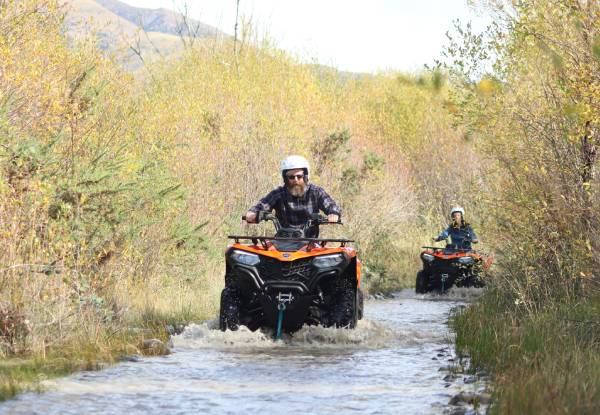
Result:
{"points": [[451, 266], [288, 280]]}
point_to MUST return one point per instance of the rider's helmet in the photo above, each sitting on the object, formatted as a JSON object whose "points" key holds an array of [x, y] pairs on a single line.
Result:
{"points": [[295, 162], [457, 209]]}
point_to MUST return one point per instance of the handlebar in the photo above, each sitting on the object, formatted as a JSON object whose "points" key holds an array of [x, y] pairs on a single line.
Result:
{"points": [[262, 216], [322, 219], [317, 217]]}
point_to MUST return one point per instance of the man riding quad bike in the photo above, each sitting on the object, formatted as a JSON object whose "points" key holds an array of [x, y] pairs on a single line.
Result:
{"points": [[292, 278], [457, 264]]}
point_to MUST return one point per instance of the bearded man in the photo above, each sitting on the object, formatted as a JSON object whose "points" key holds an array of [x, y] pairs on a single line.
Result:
{"points": [[297, 199]]}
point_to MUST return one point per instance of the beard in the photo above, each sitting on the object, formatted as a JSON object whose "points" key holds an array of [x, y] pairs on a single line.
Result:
{"points": [[297, 190]]}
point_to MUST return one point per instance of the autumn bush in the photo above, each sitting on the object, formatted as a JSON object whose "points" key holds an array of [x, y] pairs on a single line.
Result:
{"points": [[534, 117], [85, 205]]}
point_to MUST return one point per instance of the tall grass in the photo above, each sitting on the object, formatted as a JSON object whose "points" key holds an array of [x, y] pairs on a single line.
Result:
{"points": [[546, 362]]}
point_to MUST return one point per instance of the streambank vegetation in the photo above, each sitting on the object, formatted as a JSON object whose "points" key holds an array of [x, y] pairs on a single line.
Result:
{"points": [[535, 116]]}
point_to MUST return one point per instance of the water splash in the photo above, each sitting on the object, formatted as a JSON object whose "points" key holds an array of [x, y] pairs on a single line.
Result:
{"points": [[463, 294], [367, 334], [207, 335]]}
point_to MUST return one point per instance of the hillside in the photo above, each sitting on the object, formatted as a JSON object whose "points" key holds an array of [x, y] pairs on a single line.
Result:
{"points": [[159, 20], [133, 33]]}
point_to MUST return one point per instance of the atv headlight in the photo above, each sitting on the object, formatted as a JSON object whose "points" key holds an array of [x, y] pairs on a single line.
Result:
{"points": [[245, 258], [466, 260], [328, 260], [427, 257]]}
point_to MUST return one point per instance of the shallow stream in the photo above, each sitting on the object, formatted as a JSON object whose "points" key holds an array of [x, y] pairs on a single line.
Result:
{"points": [[394, 362]]}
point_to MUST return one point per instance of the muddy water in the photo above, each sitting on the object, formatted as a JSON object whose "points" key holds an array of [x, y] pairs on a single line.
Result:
{"points": [[389, 364]]}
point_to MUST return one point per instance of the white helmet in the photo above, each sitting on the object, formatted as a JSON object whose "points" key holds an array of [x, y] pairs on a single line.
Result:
{"points": [[457, 209], [294, 162]]}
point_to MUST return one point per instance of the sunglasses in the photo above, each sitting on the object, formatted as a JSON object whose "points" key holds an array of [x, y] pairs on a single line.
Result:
{"points": [[295, 176]]}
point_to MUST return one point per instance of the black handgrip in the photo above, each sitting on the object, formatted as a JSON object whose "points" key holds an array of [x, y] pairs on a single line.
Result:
{"points": [[264, 215], [322, 219], [316, 216], [261, 216]]}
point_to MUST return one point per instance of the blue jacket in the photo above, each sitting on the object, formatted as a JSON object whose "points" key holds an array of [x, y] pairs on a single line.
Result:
{"points": [[461, 236]]}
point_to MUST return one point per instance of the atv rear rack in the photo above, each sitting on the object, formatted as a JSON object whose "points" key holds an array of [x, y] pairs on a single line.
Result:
{"points": [[263, 240]]}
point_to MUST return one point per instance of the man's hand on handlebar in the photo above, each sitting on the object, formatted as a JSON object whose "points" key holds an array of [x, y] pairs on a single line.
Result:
{"points": [[333, 218], [250, 217]]}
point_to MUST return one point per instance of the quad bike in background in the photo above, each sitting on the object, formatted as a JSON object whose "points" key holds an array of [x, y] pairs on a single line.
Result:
{"points": [[287, 280], [451, 266]]}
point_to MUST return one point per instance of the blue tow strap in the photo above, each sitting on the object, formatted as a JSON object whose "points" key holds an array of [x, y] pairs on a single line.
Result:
{"points": [[281, 309]]}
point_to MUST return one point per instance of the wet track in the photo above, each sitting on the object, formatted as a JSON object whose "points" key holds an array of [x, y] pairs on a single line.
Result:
{"points": [[389, 364]]}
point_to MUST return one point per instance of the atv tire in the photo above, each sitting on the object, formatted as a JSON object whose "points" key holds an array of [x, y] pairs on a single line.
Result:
{"points": [[474, 281], [345, 309], [422, 283], [361, 304], [229, 314], [478, 283]]}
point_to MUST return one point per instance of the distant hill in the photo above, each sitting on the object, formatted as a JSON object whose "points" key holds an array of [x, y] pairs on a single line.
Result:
{"points": [[134, 33], [159, 20]]}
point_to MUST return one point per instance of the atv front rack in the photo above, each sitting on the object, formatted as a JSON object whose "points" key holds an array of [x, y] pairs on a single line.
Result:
{"points": [[438, 248], [312, 241]]}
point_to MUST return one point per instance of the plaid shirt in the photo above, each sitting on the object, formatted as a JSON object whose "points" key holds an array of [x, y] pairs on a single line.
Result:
{"points": [[295, 211]]}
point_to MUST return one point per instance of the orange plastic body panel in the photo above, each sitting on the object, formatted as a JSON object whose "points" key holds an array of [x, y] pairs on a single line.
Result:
{"points": [[293, 255], [487, 260], [442, 255]]}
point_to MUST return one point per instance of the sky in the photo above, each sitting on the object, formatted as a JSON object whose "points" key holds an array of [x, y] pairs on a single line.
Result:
{"points": [[351, 35]]}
